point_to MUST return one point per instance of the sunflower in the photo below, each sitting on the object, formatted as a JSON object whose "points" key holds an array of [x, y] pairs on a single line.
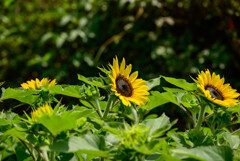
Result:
{"points": [[214, 89], [36, 84], [41, 111], [127, 87]]}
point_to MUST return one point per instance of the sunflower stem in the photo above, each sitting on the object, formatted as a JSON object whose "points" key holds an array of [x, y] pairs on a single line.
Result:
{"points": [[235, 131], [98, 107], [201, 117], [108, 107], [52, 156], [30, 152], [135, 115]]}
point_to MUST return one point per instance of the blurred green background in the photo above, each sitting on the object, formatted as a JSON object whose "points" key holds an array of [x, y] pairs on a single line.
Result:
{"points": [[58, 39]]}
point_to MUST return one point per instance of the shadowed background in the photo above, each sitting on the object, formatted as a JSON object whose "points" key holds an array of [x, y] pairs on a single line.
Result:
{"points": [[59, 39]]}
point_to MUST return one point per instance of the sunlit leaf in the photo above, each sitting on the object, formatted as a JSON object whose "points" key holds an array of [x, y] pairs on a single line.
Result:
{"points": [[15, 132], [170, 97], [67, 120], [235, 108], [67, 90], [88, 144], [156, 99], [22, 95], [182, 83], [158, 125], [94, 81], [207, 153], [233, 140], [153, 82]]}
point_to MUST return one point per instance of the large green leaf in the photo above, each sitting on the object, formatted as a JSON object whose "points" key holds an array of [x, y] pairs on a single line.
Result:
{"points": [[15, 132], [67, 90], [153, 82], [170, 97], [208, 153], [22, 95], [156, 99], [88, 144], [94, 81], [67, 120], [158, 125], [233, 140], [182, 83]]}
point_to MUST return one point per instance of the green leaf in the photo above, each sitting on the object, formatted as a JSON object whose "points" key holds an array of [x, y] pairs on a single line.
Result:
{"points": [[208, 153], [15, 132], [67, 90], [233, 140], [22, 95], [88, 144], [170, 97], [67, 120], [150, 148], [167, 157], [182, 83], [153, 82], [7, 118], [152, 157], [174, 90], [104, 70], [94, 81], [156, 99], [180, 140], [158, 125], [113, 127], [235, 108]]}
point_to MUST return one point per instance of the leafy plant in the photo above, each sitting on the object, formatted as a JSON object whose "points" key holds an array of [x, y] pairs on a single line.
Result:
{"points": [[102, 127]]}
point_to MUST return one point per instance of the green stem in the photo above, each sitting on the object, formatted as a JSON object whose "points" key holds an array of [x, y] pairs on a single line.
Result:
{"points": [[109, 106], [188, 114], [98, 108], [52, 156], [201, 117], [30, 152], [135, 115]]}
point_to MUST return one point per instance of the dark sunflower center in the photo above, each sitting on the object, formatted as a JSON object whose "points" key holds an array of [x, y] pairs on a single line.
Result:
{"points": [[123, 86], [214, 93]]}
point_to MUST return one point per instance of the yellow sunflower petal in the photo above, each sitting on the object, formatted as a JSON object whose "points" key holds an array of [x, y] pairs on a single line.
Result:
{"points": [[122, 67], [37, 83], [127, 71], [133, 76], [53, 82], [25, 85], [115, 65]]}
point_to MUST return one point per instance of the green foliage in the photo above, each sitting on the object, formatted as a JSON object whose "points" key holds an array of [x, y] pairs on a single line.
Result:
{"points": [[103, 128], [88, 144], [29, 96], [221, 153], [181, 83]]}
